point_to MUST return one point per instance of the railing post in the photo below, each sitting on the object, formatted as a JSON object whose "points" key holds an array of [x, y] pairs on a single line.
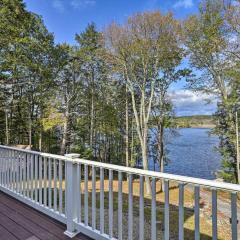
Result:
{"points": [[71, 200]]}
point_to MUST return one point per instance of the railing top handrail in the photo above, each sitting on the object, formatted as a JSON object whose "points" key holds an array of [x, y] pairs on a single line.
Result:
{"points": [[130, 170]]}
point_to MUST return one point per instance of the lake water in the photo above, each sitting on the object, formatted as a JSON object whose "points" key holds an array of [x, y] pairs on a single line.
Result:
{"points": [[192, 154]]}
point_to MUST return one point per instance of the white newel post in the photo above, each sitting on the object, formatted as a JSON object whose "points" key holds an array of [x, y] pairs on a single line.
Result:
{"points": [[71, 198]]}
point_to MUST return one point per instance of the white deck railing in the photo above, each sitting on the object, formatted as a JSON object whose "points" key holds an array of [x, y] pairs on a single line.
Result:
{"points": [[40, 179]]}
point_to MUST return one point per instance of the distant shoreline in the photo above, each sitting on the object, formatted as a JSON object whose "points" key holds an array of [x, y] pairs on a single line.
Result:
{"points": [[197, 121], [202, 126]]}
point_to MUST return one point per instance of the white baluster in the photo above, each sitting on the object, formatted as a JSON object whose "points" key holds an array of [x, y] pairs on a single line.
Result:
{"points": [[17, 175], [141, 209], [21, 172], [86, 195], [166, 210], [60, 187], [101, 200], [93, 198], [130, 207], [110, 212], [32, 174], [45, 181], [40, 180], [181, 211], [196, 211], [119, 205], [78, 193], [234, 220], [153, 211], [55, 185], [36, 177], [28, 174], [24, 173], [49, 182], [214, 214]]}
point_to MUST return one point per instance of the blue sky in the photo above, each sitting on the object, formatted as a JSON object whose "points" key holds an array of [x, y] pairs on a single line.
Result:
{"points": [[65, 18]]}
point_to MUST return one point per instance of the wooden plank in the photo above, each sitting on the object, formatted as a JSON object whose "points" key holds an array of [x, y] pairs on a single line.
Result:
{"points": [[4, 234], [13, 227], [41, 222], [31, 214], [32, 227]]}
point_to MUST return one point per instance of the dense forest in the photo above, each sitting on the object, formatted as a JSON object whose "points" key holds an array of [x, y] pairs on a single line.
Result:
{"points": [[101, 96]]}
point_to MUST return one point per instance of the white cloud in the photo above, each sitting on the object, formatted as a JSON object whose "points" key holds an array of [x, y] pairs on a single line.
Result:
{"points": [[188, 103], [58, 5], [61, 5], [78, 4], [183, 4]]}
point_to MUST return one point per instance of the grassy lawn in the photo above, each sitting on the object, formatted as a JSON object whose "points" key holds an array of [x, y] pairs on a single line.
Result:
{"points": [[224, 230]]}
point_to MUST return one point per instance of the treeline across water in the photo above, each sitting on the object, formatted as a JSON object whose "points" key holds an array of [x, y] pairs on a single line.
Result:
{"points": [[101, 96]]}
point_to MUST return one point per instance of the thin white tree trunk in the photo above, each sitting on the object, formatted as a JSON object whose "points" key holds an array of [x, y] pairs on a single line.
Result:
{"points": [[65, 132], [161, 151], [7, 128], [40, 140], [237, 149], [91, 120], [30, 131], [126, 132]]}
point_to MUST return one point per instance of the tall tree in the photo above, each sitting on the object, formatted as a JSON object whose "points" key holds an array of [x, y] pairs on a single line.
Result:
{"points": [[25, 68], [139, 48], [212, 39]]}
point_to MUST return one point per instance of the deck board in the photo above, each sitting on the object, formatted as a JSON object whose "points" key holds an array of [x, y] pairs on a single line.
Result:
{"points": [[19, 221], [17, 230]]}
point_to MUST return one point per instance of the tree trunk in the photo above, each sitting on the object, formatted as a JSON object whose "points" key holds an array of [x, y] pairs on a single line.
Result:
{"points": [[30, 131], [40, 140], [145, 167], [65, 133], [237, 149], [161, 151], [132, 143], [142, 130], [7, 128], [126, 132], [91, 121], [64, 140], [92, 111]]}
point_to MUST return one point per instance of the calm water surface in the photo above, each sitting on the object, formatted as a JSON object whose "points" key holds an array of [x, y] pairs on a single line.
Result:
{"points": [[192, 154]]}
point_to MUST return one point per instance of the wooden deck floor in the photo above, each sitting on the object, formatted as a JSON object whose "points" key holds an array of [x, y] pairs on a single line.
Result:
{"points": [[19, 221]]}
